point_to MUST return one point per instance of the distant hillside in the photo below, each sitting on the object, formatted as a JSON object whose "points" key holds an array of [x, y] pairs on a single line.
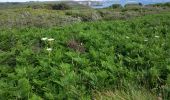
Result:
{"points": [[13, 5], [47, 14], [160, 4]]}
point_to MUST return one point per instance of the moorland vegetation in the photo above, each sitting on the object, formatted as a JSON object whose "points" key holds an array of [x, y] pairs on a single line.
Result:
{"points": [[112, 53]]}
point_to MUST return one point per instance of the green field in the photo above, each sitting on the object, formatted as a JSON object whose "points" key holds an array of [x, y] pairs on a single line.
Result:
{"points": [[106, 59]]}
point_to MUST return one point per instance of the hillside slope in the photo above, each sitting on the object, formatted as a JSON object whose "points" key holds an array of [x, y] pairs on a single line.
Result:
{"points": [[87, 60]]}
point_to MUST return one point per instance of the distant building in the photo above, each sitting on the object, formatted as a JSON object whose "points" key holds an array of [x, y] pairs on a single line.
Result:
{"points": [[90, 3], [132, 2]]}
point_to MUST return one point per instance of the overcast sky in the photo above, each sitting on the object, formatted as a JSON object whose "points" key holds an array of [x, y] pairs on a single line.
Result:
{"points": [[79, 0]]}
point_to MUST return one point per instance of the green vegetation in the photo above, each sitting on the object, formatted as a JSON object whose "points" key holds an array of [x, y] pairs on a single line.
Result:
{"points": [[60, 14], [116, 6], [40, 5], [95, 56], [161, 5], [41, 57], [61, 6]]}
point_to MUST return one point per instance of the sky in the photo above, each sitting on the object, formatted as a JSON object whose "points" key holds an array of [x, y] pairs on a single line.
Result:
{"points": [[82, 0]]}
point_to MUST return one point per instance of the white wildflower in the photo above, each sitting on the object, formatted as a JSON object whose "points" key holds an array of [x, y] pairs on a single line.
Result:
{"points": [[50, 39], [156, 36], [127, 37], [145, 40], [163, 44], [44, 39], [49, 49]]}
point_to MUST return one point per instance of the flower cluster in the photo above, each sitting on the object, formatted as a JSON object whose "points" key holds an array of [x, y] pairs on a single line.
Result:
{"points": [[47, 39], [44, 39], [156, 36], [50, 40], [49, 49], [127, 37]]}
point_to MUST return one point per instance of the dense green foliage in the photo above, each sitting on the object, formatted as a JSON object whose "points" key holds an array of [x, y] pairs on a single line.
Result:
{"points": [[55, 6], [61, 6], [87, 57], [104, 59]]}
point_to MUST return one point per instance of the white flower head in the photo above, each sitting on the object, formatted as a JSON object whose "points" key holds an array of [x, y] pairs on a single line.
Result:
{"points": [[49, 49], [156, 36], [50, 39], [127, 37], [145, 40], [44, 39], [163, 44]]}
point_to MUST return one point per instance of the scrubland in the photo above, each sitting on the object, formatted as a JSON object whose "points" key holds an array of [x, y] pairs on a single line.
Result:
{"points": [[100, 54]]}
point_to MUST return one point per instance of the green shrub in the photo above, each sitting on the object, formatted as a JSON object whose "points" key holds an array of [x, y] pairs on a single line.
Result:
{"points": [[84, 15], [115, 6], [60, 6]]}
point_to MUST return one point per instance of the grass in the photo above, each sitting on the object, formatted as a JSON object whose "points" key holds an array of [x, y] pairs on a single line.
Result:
{"points": [[122, 95]]}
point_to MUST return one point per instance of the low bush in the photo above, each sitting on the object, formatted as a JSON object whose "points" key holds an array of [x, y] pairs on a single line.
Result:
{"points": [[60, 6], [84, 15], [116, 6]]}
